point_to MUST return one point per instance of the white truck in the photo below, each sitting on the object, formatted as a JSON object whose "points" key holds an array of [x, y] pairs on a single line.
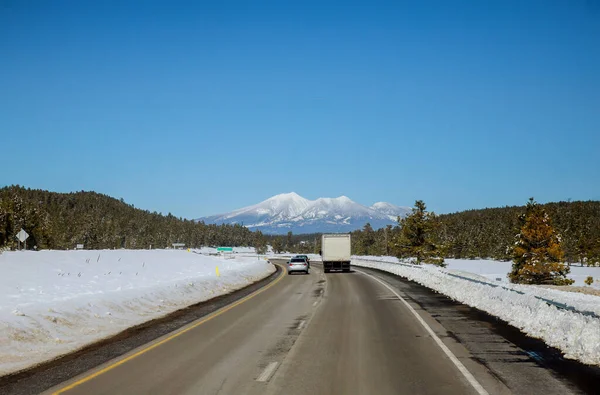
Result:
{"points": [[335, 252]]}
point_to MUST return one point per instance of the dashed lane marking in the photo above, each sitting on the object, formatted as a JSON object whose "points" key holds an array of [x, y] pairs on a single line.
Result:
{"points": [[268, 372]]}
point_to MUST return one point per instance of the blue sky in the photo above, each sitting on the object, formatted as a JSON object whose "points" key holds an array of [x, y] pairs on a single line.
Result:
{"points": [[197, 108]]}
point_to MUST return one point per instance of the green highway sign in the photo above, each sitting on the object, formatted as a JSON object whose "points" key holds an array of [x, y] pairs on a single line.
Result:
{"points": [[224, 249]]}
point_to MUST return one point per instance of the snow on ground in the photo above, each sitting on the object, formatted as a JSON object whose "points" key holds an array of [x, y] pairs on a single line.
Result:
{"points": [[577, 335], [54, 302], [495, 269], [492, 270], [236, 250], [243, 251]]}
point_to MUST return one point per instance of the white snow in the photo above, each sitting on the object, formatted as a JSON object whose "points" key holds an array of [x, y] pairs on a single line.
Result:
{"points": [[391, 210], [577, 335], [494, 270], [341, 206], [236, 250], [291, 208], [54, 302], [282, 206]]}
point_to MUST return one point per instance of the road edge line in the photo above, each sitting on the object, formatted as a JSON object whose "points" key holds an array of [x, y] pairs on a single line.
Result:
{"points": [[459, 365]]}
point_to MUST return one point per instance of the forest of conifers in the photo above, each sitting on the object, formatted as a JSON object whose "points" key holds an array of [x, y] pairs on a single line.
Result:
{"points": [[490, 232], [63, 220]]}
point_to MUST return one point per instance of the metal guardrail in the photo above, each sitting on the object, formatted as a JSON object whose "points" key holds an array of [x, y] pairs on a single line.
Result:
{"points": [[559, 305]]}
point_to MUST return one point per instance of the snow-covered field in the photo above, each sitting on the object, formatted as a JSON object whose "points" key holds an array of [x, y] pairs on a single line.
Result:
{"points": [[236, 250], [54, 302], [495, 269], [498, 271], [577, 335]]}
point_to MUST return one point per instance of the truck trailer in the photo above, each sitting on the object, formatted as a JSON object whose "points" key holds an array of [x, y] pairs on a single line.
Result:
{"points": [[335, 252]]}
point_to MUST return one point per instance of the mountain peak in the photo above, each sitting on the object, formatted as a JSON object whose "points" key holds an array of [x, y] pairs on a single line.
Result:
{"points": [[390, 210], [291, 212], [288, 195], [382, 205]]}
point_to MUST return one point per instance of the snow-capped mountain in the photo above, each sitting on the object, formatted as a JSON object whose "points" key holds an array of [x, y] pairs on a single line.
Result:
{"points": [[391, 210], [291, 212]]}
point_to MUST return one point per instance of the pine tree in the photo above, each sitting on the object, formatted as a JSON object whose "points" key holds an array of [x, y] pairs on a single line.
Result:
{"points": [[417, 234], [364, 240], [260, 243], [537, 253], [277, 245]]}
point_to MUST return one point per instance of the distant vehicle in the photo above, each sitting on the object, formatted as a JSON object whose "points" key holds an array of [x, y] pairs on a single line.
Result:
{"points": [[305, 257], [335, 252], [297, 265]]}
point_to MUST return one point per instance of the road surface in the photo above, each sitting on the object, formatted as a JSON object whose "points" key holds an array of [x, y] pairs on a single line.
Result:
{"points": [[340, 333]]}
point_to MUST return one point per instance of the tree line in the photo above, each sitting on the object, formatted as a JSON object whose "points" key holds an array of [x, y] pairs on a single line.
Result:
{"points": [[491, 232], [537, 250], [307, 243], [63, 220]]}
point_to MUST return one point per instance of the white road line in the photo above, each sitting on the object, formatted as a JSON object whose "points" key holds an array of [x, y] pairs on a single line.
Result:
{"points": [[268, 372], [301, 324], [472, 380]]}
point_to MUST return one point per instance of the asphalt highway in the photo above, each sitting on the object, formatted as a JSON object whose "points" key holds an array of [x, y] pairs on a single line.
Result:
{"points": [[340, 333]]}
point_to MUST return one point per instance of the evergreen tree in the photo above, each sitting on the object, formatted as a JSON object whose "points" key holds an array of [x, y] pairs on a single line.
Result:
{"points": [[260, 243], [416, 239], [277, 245], [387, 234], [538, 256], [363, 242]]}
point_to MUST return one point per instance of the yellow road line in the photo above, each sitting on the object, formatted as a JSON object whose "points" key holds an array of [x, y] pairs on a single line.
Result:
{"points": [[173, 336]]}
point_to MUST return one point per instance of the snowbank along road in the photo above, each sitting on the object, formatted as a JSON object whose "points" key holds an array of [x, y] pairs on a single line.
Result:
{"points": [[55, 302], [364, 332]]}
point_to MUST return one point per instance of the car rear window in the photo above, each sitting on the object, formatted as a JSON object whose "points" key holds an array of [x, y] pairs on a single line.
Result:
{"points": [[297, 260]]}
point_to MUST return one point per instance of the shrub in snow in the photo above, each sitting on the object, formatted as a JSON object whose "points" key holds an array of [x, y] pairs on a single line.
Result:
{"points": [[538, 256], [589, 280]]}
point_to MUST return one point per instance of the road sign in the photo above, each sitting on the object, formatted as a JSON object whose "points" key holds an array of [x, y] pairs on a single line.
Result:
{"points": [[22, 236], [224, 249]]}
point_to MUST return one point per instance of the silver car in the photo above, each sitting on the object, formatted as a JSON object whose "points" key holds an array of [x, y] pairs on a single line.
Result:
{"points": [[297, 264], [305, 257]]}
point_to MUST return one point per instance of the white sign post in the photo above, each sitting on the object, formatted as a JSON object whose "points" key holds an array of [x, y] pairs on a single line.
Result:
{"points": [[22, 236]]}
